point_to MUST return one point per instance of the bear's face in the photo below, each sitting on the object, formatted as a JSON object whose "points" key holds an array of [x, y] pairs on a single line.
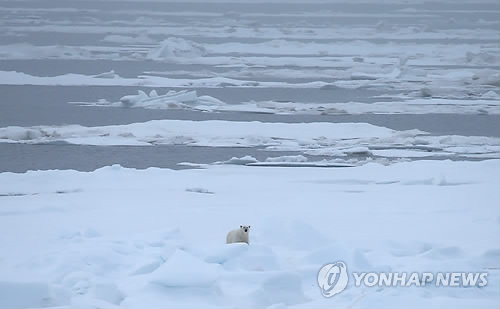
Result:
{"points": [[244, 228]]}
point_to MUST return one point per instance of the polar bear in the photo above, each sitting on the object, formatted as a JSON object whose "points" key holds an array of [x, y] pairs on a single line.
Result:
{"points": [[238, 235]]}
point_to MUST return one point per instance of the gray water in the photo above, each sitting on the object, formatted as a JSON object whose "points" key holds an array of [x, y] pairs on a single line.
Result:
{"points": [[19, 158], [48, 105], [40, 105]]}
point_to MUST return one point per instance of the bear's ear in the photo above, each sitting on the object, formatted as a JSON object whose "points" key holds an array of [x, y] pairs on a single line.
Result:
{"points": [[249, 226]]}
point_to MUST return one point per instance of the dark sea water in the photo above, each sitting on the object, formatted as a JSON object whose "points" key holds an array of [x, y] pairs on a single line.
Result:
{"points": [[38, 105], [48, 105]]}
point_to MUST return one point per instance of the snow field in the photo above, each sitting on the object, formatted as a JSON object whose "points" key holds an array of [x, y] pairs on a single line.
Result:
{"points": [[128, 238]]}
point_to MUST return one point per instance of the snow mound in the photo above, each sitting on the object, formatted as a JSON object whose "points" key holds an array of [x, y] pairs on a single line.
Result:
{"points": [[185, 270], [177, 48], [490, 95], [171, 100], [224, 253], [281, 289], [240, 161], [147, 266], [298, 158], [291, 234], [242, 257], [110, 74], [21, 134], [256, 258]]}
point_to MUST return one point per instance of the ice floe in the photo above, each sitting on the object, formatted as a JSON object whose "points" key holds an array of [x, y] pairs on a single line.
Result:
{"points": [[155, 252], [177, 48], [19, 78], [488, 104], [316, 139]]}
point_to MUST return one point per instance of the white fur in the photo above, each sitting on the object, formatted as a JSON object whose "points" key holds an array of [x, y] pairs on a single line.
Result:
{"points": [[238, 235]]}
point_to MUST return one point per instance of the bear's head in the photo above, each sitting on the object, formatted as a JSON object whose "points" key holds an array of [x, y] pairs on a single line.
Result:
{"points": [[244, 228]]}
